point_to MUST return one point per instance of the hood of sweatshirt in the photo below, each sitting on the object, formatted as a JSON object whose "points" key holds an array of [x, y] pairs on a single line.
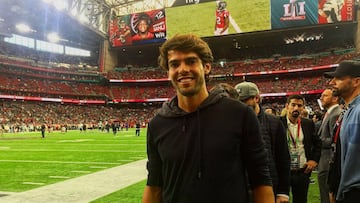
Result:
{"points": [[170, 109]]}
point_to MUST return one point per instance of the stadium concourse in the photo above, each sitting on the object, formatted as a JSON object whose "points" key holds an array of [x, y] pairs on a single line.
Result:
{"points": [[82, 189]]}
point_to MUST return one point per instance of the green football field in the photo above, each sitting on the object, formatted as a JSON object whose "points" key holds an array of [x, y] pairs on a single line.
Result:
{"points": [[246, 15], [27, 161]]}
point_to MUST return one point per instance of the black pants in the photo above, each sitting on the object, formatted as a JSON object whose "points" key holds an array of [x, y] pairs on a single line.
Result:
{"points": [[351, 196], [299, 183]]}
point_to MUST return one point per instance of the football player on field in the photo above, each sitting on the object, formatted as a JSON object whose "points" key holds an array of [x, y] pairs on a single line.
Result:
{"points": [[222, 19]]}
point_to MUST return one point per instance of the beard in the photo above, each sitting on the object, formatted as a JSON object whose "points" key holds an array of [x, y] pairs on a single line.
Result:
{"points": [[295, 114], [336, 93]]}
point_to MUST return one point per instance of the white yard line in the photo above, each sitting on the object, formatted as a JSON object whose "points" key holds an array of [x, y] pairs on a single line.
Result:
{"points": [[235, 25], [85, 188]]}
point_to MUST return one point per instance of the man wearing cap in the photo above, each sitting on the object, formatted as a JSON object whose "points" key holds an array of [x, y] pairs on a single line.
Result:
{"points": [[345, 83], [273, 133], [304, 147]]}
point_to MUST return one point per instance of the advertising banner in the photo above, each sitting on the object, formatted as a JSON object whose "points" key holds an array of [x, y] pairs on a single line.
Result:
{"points": [[293, 13]]}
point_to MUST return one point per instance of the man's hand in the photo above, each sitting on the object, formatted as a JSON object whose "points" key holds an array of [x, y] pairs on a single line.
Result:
{"points": [[310, 166], [282, 199]]}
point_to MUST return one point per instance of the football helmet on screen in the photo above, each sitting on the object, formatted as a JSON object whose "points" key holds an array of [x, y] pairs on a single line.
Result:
{"points": [[221, 5]]}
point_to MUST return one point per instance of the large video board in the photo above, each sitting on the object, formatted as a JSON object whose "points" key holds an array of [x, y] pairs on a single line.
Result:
{"points": [[210, 18]]}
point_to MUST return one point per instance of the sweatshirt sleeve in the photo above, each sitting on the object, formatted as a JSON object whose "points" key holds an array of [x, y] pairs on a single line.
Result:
{"points": [[282, 159], [253, 152], [154, 164]]}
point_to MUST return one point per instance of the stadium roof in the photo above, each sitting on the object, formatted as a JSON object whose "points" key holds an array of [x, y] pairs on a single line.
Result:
{"points": [[43, 19]]}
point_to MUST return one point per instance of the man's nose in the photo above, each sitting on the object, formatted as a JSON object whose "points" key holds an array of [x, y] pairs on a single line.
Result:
{"points": [[183, 67]]}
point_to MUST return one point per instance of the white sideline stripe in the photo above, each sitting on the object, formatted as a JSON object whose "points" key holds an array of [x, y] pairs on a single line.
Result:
{"points": [[85, 188], [32, 183], [97, 167], [59, 177], [59, 162], [234, 24], [81, 171]]}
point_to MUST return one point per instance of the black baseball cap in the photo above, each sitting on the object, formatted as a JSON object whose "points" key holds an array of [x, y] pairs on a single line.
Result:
{"points": [[345, 68]]}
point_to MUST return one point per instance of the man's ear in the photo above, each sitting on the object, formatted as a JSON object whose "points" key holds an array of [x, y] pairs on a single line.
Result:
{"points": [[207, 68], [257, 99], [357, 81]]}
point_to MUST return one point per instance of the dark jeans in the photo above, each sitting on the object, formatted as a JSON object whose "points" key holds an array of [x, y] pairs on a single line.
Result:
{"points": [[299, 183], [351, 196]]}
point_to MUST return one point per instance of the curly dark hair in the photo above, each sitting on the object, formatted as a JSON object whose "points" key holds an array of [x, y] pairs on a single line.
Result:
{"points": [[185, 43]]}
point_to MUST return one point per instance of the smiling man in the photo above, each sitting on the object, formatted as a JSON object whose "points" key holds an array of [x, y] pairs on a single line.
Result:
{"points": [[200, 144]]}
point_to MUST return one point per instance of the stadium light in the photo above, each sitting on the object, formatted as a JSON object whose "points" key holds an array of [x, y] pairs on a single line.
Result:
{"points": [[60, 5], [53, 37], [24, 28]]}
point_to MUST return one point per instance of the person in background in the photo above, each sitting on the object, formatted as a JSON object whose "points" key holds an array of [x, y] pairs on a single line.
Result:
{"points": [[43, 129], [345, 83], [326, 133], [317, 119], [270, 111], [304, 147], [137, 128], [227, 89], [274, 135], [304, 113], [200, 144]]}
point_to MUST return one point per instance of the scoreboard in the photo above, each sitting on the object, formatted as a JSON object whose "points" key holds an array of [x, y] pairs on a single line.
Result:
{"points": [[199, 17]]}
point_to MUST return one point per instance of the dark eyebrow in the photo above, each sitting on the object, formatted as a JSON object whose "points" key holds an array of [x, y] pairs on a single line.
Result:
{"points": [[187, 58]]}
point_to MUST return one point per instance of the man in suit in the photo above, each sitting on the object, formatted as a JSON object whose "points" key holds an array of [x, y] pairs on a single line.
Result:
{"points": [[304, 147], [326, 133]]}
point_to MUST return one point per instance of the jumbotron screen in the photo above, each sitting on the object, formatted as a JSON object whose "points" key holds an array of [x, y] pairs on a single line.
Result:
{"points": [[211, 18]]}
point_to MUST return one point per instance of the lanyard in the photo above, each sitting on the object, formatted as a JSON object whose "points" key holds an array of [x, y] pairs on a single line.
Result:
{"points": [[294, 140], [338, 125]]}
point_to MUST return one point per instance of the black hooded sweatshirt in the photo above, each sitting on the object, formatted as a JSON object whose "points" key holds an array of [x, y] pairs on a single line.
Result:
{"points": [[202, 156]]}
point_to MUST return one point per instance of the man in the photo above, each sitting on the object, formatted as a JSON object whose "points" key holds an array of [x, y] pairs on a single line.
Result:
{"points": [[326, 133], [143, 28], [274, 135], [317, 119], [122, 36], [222, 19], [227, 89], [345, 83], [200, 144], [304, 147]]}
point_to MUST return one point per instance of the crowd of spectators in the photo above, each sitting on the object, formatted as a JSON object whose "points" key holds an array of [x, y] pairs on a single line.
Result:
{"points": [[18, 116], [35, 76]]}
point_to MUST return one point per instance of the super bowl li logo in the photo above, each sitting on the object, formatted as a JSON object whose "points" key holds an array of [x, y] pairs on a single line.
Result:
{"points": [[294, 10]]}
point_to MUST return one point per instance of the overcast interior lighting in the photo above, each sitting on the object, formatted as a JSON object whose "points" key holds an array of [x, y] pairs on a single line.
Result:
{"points": [[83, 19], [24, 28], [60, 5], [53, 37]]}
